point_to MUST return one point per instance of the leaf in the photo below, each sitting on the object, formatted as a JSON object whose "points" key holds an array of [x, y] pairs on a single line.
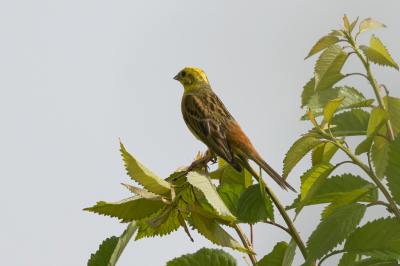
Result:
{"points": [[348, 259], [350, 123], [183, 224], [346, 23], [378, 239], [323, 153], [333, 230], [204, 257], [337, 33], [231, 176], [313, 179], [251, 208], [275, 258], [299, 149], [160, 219], [215, 233], [331, 107], [230, 195], [201, 182], [336, 187], [111, 248], [323, 43], [133, 208], [353, 99], [370, 24], [353, 25], [209, 214], [265, 199], [393, 169], [380, 148], [347, 198], [289, 253], [375, 262], [327, 59], [377, 119], [143, 175], [144, 193], [378, 54]]}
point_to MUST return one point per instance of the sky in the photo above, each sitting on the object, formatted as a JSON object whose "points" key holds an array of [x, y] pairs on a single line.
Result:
{"points": [[77, 76]]}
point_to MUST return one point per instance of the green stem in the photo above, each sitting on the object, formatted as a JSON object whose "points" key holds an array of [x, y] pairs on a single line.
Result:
{"points": [[246, 243], [329, 255]]}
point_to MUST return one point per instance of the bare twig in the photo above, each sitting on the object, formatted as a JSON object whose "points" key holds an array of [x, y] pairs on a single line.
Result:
{"points": [[278, 225]]}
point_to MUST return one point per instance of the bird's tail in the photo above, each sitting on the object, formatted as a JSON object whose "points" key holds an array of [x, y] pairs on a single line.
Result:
{"points": [[268, 169]]}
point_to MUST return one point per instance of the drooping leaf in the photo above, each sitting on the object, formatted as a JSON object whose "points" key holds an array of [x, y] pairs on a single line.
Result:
{"points": [[323, 43], [370, 24], [205, 257], [393, 169], [375, 262], [201, 182], [327, 59], [141, 174], [160, 219], [289, 253], [331, 107], [346, 23], [323, 153], [348, 259], [133, 208], [215, 233], [275, 258], [378, 239], [353, 99], [378, 54], [299, 149], [353, 25], [230, 195], [333, 230], [251, 208]]}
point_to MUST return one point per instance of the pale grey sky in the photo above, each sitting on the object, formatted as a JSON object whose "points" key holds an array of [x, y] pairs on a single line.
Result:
{"points": [[77, 75]]}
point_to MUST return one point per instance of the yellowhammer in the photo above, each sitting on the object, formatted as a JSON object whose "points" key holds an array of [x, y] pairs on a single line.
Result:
{"points": [[209, 120]]}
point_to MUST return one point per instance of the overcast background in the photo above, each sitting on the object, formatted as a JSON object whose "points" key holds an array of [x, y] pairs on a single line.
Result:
{"points": [[77, 75]]}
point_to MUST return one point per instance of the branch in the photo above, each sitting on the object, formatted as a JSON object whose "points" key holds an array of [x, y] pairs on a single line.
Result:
{"points": [[280, 226], [246, 243], [330, 254], [379, 203]]}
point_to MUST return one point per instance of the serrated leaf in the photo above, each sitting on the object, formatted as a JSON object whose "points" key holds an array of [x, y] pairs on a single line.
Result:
{"points": [[299, 149], [347, 198], [215, 233], [348, 259], [337, 33], [377, 120], [370, 24], [231, 176], [141, 174], [353, 99], [346, 23], [393, 169], [230, 195], [350, 123], [380, 148], [183, 224], [375, 262], [144, 193], [251, 208], [378, 239], [378, 54], [326, 61], [323, 153], [205, 257], [353, 25], [133, 208], [289, 253], [202, 182], [266, 199], [331, 107], [323, 43], [275, 258], [160, 219], [333, 230]]}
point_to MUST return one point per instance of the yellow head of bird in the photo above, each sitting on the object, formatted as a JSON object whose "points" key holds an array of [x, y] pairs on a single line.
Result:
{"points": [[192, 78]]}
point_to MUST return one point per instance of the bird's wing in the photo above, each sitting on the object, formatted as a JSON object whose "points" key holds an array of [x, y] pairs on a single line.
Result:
{"points": [[205, 116]]}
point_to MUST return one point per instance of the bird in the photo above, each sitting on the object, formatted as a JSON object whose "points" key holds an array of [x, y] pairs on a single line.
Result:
{"points": [[210, 122]]}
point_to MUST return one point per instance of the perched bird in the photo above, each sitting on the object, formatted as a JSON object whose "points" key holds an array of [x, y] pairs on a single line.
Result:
{"points": [[210, 122]]}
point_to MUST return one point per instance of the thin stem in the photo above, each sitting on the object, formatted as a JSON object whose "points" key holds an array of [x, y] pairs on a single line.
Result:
{"points": [[251, 235], [345, 143], [383, 136], [379, 203], [343, 163], [246, 243], [351, 74], [369, 160], [280, 226], [329, 255]]}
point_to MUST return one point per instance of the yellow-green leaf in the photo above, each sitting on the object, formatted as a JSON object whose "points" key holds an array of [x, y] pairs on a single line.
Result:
{"points": [[353, 25], [370, 24], [347, 198], [378, 54], [330, 108], [323, 43], [346, 23]]}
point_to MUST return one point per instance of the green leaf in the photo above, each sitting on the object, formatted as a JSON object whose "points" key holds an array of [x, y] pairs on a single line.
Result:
{"points": [[289, 253], [183, 224], [143, 175], [160, 219], [375, 262], [168, 225], [202, 182], [337, 33], [275, 258], [205, 257], [331, 107], [336, 187], [144, 193], [215, 233], [323, 153], [380, 148], [251, 208], [330, 57], [353, 99], [323, 43], [350, 123], [299, 149], [312, 180], [346, 23], [333, 230], [393, 169], [231, 176], [265, 199], [230, 195], [347, 198], [378, 239], [133, 208], [348, 259], [353, 25], [377, 119], [111, 248], [378, 54], [370, 24]]}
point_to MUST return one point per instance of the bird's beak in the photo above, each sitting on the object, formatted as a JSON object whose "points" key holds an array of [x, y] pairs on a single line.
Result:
{"points": [[176, 77]]}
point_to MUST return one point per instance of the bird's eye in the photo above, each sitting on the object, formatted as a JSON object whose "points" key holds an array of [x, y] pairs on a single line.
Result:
{"points": [[183, 73]]}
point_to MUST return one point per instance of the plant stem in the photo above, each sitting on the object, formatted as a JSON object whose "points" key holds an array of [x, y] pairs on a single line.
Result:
{"points": [[280, 226], [246, 243], [330, 254]]}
